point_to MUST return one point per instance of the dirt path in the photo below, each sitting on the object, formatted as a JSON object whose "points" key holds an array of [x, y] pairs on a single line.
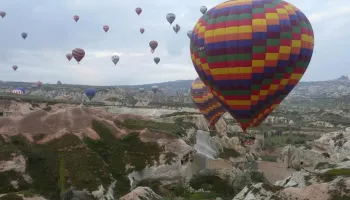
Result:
{"points": [[273, 171]]}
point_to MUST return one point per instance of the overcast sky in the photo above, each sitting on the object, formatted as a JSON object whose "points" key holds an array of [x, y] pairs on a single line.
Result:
{"points": [[52, 33]]}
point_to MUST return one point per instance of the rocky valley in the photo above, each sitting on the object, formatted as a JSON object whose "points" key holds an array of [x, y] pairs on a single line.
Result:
{"points": [[56, 144]]}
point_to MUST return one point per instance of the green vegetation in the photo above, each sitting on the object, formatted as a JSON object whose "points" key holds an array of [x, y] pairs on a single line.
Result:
{"points": [[171, 104], [117, 153], [176, 190], [62, 176], [179, 114], [269, 158], [214, 184], [333, 173], [11, 196], [130, 99], [171, 129], [52, 164], [324, 165], [227, 153], [272, 141]]}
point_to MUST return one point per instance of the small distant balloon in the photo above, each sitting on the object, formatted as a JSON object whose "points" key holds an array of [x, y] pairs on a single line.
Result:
{"points": [[59, 83], [115, 59], [141, 90], [170, 17], [106, 28], [14, 67], [176, 28], [69, 56], [2, 14], [156, 60], [76, 18], [189, 34], [138, 10], [78, 54], [142, 30], [19, 90], [203, 9], [24, 35], [39, 84], [155, 89], [90, 93], [153, 44]]}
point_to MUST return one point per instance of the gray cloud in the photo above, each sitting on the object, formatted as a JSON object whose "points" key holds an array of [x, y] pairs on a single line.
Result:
{"points": [[52, 33]]}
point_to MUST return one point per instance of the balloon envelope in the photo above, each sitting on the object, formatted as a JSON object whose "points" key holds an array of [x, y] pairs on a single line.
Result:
{"points": [[106, 28], [155, 88], [90, 93], [142, 30], [189, 34], [69, 56], [176, 28], [138, 10], [253, 69], [39, 84], [153, 44], [14, 67], [203, 9], [206, 102], [115, 59], [24, 35], [156, 60], [78, 54], [2, 14], [76, 18], [170, 17]]}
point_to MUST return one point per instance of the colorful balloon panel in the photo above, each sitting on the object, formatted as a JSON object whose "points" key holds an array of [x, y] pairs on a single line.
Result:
{"points": [[251, 54], [206, 102]]}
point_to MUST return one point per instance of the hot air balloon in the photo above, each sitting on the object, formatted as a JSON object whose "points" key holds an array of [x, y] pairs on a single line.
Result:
{"points": [[69, 56], [203, 9], [76, 18], [189, 34], [170, 17], [138, 10], [90, 93], [206, 102], [24, 35], [176, 28], [155, 89], [39, 84], [156, 60], [141, 90], [106, 28], [14, 67], [78, 54], [2, 14], [142, 30], [251, 65], [59, 83], [153, 44], [19, 90], [115, 59]]}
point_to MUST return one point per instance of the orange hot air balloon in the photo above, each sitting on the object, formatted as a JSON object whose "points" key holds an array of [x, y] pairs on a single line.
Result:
{"points": [[251, 54]]}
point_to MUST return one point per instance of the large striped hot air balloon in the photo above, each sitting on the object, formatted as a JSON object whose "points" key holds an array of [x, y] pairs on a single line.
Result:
{"points": [[206, 102], [251, 54]]}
